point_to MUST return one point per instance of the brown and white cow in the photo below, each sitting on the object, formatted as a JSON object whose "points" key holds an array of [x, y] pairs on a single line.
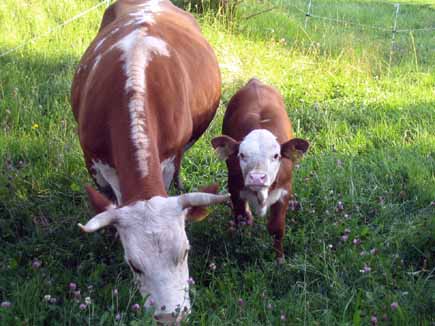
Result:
{"points": [[260, 151], [145, 90]]}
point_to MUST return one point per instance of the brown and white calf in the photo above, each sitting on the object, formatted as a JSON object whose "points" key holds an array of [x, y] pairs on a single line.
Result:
{"points": [[260, 152], [145, 90]]}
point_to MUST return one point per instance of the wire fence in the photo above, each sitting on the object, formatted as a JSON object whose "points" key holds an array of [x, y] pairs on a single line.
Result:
{"points": [[309, 14], [56, 28]]}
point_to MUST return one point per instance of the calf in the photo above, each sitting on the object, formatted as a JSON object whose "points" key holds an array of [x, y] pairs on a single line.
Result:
{"points": [[145, 90], [260, 152]]}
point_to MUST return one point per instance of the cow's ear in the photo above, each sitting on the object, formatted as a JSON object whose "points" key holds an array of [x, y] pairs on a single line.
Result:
{"points": [[99, 202], [225, 146], [294, 149]]}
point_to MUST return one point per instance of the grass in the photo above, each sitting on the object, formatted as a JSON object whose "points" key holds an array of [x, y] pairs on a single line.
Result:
{"points": [[370, 169]]}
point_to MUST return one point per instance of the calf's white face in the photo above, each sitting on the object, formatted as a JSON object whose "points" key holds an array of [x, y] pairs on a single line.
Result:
{"points": [[156, 247], [259, 157]]}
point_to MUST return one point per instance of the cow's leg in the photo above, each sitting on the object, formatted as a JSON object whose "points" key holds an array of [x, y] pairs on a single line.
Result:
{"points": [[241, 211], [168, 168], [178, 183], [276, 226], [103, 185], [105, 188]]}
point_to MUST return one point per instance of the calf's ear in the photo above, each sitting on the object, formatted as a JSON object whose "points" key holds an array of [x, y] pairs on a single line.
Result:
{"points": [[294, 149], [225, 146]]}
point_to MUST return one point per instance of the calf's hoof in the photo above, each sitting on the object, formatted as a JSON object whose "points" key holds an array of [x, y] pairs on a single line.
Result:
{"points": [[280, 260], [244, 220], [232, 227]]}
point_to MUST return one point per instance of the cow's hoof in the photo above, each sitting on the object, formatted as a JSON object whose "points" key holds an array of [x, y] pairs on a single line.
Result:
{"points": [[280, 260]]}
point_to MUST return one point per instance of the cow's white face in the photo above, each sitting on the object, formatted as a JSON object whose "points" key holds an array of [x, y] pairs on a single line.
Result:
{"points": [[260, 158], [156, 248]]}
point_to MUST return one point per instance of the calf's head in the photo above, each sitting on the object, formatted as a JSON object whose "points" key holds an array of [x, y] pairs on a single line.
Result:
{"points": [[155, 245], [259, 156]]}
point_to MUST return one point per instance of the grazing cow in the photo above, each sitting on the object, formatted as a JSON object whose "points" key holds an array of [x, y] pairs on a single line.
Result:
{"points": [[145, 90], [260, 152]]}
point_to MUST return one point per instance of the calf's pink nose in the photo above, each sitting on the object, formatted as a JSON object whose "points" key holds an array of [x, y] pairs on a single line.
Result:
{"points": [[256, 178]]}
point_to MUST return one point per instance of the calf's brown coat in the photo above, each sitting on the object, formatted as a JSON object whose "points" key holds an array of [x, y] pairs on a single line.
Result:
{"points": [[258, 106]]}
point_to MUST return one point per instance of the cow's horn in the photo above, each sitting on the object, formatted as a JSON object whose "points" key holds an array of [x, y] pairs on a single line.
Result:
{"points": [[99, 221], [201, 199]]}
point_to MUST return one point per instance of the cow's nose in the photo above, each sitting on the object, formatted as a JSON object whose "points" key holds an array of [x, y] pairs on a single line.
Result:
{"points": [[169, 318], [257, 178]]}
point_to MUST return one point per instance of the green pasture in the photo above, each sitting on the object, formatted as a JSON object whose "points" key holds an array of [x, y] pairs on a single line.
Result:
{"points": [[367, 106]]}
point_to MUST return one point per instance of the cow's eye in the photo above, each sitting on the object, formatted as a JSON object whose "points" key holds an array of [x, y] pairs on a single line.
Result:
{"points": [[276, 156], [134, 268], [242, 156]]}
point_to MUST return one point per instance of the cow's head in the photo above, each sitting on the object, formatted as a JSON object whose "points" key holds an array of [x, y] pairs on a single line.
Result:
{"points": [[155, 244], [259, 155]]}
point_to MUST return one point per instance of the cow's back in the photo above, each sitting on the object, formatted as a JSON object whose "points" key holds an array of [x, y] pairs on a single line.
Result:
{"points": [[257, 106], [123, 7], [181, 87]]}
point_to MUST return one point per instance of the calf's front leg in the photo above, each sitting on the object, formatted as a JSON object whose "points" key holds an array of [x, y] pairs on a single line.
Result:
{"points": [[241, 211], [276, 226]]}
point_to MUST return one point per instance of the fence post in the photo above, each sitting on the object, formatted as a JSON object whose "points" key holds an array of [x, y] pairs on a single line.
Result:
{"points": [[393, 35], [308, 14], [415, 50]]}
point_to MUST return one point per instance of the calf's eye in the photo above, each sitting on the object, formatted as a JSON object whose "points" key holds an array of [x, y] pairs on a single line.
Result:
{"points": [[276, 156], [242, 156]]}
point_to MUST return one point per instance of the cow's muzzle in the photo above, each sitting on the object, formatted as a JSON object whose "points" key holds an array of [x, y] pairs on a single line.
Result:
{"points": [[171, 319]]}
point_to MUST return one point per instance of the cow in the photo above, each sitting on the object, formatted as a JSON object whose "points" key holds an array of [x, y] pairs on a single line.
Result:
{"points": [[260, 151], [144, 91]]}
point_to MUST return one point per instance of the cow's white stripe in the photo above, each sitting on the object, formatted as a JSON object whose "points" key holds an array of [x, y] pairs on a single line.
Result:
{"points": [[96, 62], [138, 49], [104, 39], [145, 12], [151, 5]]}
